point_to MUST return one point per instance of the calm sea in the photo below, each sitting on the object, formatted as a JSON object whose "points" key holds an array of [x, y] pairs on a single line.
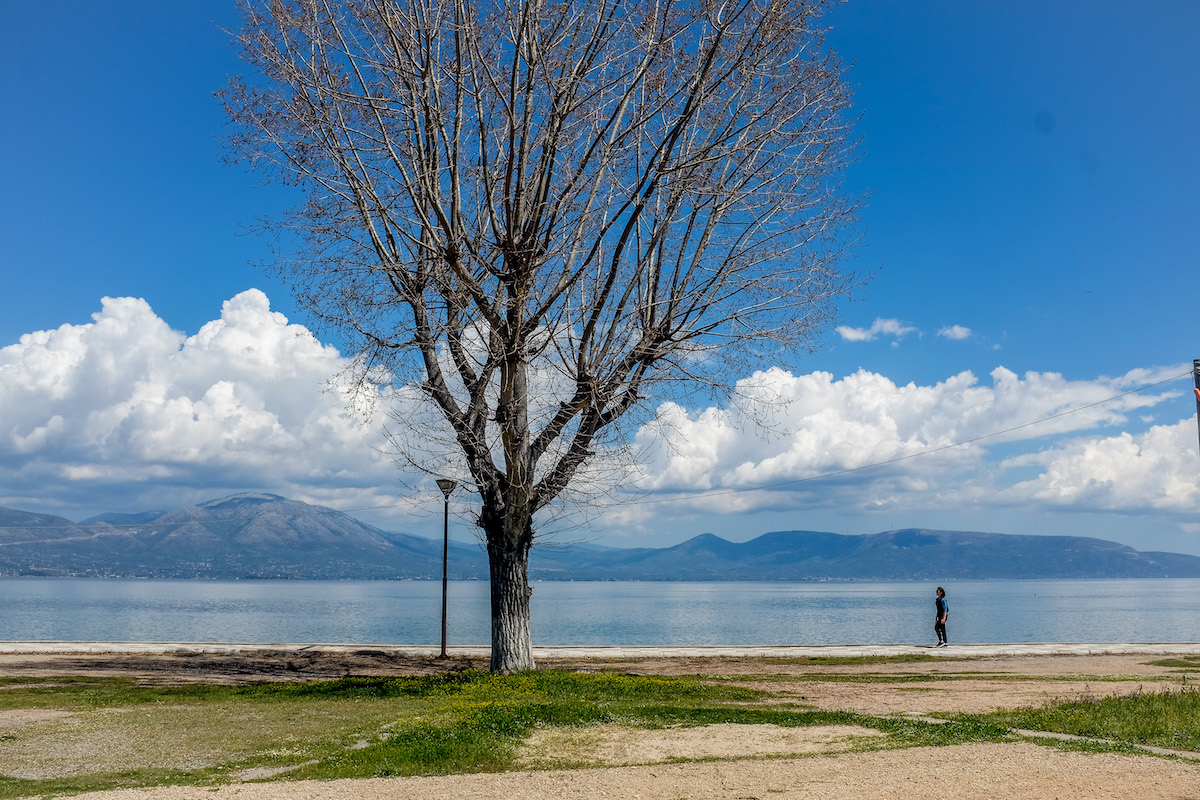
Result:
{"points": [[613, 613]]}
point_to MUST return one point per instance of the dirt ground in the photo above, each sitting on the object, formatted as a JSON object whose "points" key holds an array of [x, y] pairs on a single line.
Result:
{"points": [[743, 762]]}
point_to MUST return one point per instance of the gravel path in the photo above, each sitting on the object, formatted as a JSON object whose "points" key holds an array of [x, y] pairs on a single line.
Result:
{"points": [[1000, 771]]}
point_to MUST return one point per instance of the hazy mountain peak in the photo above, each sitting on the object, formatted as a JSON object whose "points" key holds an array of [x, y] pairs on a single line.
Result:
{"points": [[119, 518], [245, 499]]}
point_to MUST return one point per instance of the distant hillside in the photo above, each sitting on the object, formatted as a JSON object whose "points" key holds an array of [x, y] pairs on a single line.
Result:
{"points": [[267, 536], [892, 556], [243, 536]]}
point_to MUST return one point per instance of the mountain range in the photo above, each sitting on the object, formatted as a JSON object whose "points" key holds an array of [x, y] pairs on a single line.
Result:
{"points": [[250, 536]]}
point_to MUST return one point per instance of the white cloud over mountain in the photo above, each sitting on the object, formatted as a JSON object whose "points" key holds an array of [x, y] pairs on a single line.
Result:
{"points": [[126, 406], [863, 442], [125, 413], [1153, 471]]}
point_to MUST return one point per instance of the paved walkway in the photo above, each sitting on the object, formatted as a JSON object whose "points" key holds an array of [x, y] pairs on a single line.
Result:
{"points": [[552, 652]]}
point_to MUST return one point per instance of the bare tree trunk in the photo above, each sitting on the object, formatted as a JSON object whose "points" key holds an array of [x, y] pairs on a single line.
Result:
{"points": [[512, 637]]}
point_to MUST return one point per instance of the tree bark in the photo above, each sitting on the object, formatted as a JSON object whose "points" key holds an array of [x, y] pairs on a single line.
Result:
{"points": [[512, 637]]}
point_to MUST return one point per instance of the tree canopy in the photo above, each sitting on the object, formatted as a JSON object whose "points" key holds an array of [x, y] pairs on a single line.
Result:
{"points": [[541, 213]]}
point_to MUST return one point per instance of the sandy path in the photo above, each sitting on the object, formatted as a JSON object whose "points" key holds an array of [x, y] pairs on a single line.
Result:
{"points": [[1001, 771]]}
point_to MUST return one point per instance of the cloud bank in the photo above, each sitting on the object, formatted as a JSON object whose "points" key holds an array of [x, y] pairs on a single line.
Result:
{"points": [[125, 414], [865, 443]]}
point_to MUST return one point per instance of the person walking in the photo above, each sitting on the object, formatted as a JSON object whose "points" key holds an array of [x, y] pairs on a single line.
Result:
{"points": [[942, 614]]}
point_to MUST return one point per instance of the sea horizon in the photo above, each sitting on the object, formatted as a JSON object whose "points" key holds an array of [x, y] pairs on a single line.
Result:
{"points": [[600, 613]]}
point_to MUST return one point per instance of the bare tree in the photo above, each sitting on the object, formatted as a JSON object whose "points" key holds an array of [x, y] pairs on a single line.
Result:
{"points": [[540, 211]]}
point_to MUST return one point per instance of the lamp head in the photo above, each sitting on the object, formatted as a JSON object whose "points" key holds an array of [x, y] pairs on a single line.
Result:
{"points": [[447, 486]]}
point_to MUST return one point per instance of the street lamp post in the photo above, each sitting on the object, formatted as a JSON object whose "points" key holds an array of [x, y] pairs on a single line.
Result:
{"points": [[447, 486]]}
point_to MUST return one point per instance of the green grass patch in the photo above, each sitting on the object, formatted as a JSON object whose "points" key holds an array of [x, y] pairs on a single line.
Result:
{"points": [[860, 677], [933, 677], [475, 722], [1159, 719], [89, 734], [853, 661], [94, 734], [1178, 662], [963, 729]]}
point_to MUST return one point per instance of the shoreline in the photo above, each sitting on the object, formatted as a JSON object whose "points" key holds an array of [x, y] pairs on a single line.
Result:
{"points": [[559, 652]]}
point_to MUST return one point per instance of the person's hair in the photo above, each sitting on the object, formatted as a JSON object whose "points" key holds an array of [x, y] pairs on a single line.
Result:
{"points": [[941, 590]]}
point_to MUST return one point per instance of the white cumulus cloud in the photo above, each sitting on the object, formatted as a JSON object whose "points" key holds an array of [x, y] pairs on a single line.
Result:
{"points": [[126, 410], [864, 442], [880, 327], [954, 332], [1152, 471], [125, 413]]}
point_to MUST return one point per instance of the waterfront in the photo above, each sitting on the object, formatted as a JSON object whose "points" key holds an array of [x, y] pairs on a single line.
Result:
{"points": [[600, 613]]}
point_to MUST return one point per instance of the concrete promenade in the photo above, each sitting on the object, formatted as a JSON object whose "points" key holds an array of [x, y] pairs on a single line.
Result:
{"points": [[626, 652]]}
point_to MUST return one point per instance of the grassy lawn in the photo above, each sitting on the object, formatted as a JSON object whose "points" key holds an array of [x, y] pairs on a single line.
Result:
{"points": [[65, 736], [91, 734], [1167, 719]]}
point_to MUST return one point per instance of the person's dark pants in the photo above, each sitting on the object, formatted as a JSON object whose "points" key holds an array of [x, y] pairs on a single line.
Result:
{"points": [[940, 629]]}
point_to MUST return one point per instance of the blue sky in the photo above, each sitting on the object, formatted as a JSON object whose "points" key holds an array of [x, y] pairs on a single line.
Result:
{"points": [[1031, 170]]}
